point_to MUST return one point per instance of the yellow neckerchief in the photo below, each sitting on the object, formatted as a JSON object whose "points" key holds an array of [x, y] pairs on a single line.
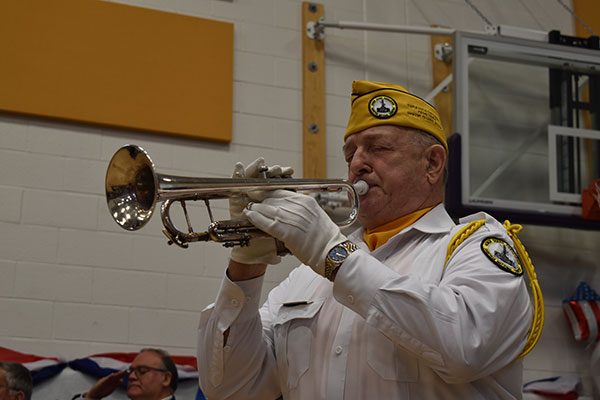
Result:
{"points": [[377, 237]]}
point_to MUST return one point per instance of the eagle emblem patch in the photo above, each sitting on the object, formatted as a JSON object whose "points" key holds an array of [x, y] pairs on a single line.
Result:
{"points": [[383, 107], [502, 254]]}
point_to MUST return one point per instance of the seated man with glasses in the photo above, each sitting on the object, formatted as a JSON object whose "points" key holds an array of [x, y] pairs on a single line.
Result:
{"points": [[15, 381], [152, 376]]}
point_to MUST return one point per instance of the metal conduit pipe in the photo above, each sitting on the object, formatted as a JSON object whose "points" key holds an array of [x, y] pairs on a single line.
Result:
{"points": [[422, 30]]}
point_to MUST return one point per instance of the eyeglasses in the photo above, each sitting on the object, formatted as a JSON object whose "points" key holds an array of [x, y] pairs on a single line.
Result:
{"points": [[143, 369], [9, 387]]}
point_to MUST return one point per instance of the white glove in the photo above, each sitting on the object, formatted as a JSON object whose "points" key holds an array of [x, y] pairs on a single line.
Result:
{"points": [[298, 221], [261, 250]]}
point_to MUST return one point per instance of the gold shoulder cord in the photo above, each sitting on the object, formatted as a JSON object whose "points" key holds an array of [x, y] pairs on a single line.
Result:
{"points": [[538, 316]]}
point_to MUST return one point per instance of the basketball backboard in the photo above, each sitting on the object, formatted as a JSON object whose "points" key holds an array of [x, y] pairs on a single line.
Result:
{"points": [[528, 138]]}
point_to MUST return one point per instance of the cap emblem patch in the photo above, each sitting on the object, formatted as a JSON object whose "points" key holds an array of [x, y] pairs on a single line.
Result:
{"points": [[383, 107], [502, 254]]}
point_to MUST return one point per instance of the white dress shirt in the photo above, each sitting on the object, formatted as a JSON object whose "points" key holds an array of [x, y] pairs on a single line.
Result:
{"points": [[394, 325]]}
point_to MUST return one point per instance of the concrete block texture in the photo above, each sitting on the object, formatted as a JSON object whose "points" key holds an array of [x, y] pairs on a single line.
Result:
{"points": [[28, 318], [49, 282], [7, 283], [84, 321], [11, 203]]}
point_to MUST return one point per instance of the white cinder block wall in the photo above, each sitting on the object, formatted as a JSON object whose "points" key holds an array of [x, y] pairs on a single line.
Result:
{"points": [[74, 284]]}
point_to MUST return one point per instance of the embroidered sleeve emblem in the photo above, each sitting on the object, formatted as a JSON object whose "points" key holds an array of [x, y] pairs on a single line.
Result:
{"points": [[502, 254]]}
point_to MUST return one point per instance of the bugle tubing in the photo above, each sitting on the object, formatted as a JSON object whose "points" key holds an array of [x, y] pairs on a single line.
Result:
{"points": [[133, 188]]}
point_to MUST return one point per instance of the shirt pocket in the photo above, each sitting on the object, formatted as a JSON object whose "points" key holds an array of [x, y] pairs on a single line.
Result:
{"points": [[294, 328], [388, 360]]}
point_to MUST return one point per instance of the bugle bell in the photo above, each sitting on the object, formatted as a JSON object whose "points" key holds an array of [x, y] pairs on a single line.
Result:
{"points": [[133, 188]]}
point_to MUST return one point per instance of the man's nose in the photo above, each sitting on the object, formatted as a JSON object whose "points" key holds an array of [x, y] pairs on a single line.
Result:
{"points": [[360, 163]]}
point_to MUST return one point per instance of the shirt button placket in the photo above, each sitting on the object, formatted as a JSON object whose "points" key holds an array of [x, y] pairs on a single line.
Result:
{"points": [[338, 357]]}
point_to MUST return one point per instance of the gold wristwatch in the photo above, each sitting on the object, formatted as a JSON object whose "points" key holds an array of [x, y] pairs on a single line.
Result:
{"points": [[336, 256]]}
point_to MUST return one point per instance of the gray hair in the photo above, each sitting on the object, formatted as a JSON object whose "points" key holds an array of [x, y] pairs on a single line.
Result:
{"points": [[167, 363], [426, 140], [18, 378]]}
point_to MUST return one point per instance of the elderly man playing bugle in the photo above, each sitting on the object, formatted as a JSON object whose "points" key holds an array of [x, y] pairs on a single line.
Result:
{"points": [[409, 306]]}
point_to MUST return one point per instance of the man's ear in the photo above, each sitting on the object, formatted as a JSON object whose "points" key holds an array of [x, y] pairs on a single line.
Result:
{"points": [[167, 380], [20, 395], [436, 163]]}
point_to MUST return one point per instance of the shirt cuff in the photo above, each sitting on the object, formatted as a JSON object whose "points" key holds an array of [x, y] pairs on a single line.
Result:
{"points": [[82, 397], [239, 300], [359, 279]]}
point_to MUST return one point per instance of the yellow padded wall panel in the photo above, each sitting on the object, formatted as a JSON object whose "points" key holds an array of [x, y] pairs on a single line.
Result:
{"points": [[589, 12], [99, 62]]}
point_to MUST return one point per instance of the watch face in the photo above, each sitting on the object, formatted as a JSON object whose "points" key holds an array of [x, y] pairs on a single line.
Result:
{"points": [[338, 254]]}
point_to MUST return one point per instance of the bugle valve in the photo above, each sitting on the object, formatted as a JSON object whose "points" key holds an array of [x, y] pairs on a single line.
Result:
{"points": [[133, 188]]}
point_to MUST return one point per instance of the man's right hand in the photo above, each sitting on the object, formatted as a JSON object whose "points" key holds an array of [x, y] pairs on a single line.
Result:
{"points": [[106, 385], [261, 250]]}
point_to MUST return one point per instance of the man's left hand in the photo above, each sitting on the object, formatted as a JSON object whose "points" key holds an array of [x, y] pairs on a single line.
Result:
{"points": [[298, 221]]}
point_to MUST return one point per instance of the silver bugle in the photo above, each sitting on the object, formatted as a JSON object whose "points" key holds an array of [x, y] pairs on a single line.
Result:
{"points": [[133, 188]]}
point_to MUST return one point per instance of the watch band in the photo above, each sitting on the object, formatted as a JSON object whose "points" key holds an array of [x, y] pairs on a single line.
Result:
{"points": [[333, 271], [331, 265]]}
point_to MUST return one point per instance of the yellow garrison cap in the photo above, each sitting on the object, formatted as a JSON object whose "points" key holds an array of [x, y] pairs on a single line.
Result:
{"points": [[375, 103]]}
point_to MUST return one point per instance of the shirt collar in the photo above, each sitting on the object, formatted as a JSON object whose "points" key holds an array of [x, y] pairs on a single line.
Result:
{"points": [[435, 221]]}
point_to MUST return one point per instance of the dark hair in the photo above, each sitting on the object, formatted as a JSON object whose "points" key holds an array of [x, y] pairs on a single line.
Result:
{"points": [[168, 364], [18, 378]]}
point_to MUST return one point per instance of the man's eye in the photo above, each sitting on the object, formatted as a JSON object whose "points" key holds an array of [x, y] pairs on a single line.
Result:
{"points": [[380, 148]]}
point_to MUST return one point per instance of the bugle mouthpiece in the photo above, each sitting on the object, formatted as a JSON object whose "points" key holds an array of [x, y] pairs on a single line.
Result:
{"points": [[361, 187]]}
